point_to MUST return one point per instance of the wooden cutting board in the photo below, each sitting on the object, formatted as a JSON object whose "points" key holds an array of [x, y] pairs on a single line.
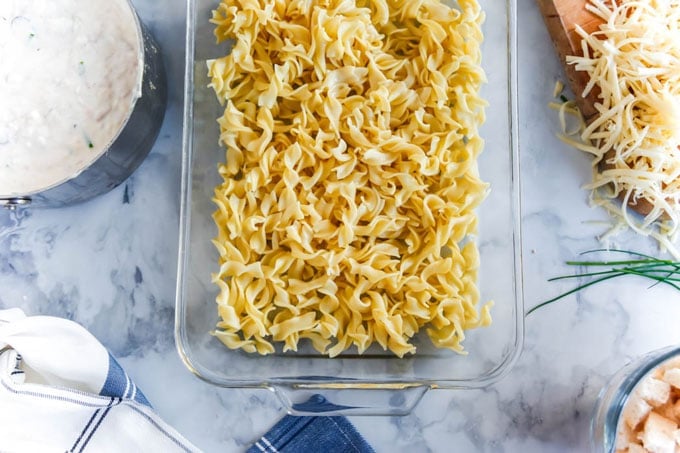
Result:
{"points": [[561, 18]]}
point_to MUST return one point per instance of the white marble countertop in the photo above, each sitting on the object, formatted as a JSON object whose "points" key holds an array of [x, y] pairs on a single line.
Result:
{"points": [[111, 265]]}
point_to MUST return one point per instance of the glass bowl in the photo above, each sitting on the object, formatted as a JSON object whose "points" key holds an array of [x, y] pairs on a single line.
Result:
{"points": [[614, 396], [376, 382]]}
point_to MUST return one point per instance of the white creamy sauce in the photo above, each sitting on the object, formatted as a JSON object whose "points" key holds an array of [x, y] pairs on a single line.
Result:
{"points": [[70, 73]]}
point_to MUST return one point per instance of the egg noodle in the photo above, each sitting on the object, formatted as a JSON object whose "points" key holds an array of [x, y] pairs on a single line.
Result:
{"points": [[350, 180], [634, 60]]}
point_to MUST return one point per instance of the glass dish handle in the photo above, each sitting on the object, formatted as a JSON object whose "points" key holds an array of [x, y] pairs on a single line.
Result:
{"points": [[349, 399]]}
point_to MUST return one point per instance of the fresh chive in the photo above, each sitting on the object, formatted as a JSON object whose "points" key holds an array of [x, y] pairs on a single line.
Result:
{"points": [[626, 252], [646, 266], [90, 145], [563, 98], [572, 291], [611, 271], [618, 263]]}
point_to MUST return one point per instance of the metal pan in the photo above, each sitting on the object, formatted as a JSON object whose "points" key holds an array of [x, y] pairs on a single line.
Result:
{"points": [[132, 144]]}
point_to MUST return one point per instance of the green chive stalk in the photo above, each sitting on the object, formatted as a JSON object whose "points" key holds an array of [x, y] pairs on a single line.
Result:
{"points": [[646, 266]]}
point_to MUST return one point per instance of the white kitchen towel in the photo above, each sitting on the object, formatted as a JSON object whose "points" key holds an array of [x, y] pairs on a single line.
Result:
{"points": [[61, 390]]}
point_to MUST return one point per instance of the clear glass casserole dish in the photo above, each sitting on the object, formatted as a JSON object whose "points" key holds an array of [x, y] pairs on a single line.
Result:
{"points": [[376, 382]]}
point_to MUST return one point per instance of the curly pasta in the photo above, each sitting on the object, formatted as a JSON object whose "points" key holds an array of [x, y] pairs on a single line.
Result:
{"points": [[350, 181]]}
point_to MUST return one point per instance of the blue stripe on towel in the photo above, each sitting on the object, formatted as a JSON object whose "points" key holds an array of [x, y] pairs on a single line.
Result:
{"points": [[118, 384], [96, 426], [82, 433]]}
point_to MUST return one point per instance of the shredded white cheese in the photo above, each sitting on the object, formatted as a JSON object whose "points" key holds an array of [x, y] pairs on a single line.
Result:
{"points": [[634, 60], [559, 86]]}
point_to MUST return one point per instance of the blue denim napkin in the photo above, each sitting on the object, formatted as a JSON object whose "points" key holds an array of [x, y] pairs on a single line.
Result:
{"points": [[304, 434]]}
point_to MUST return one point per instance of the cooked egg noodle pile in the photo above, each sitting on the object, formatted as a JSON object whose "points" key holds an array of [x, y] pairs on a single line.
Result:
{"points": [[350, 179], [634, 59]]}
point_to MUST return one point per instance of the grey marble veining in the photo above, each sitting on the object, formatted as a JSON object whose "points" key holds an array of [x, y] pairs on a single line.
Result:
{"points": [[111, 263]]}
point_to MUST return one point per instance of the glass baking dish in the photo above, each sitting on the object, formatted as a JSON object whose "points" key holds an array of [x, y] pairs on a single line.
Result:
{"points": [[373, 383]]}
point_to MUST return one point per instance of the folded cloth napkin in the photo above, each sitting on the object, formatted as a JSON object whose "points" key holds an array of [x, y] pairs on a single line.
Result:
{"points": [[304, 434], [61, 390]]}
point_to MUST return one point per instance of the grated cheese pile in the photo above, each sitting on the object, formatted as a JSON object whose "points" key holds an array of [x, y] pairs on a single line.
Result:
{"points": [[634, 60]]}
